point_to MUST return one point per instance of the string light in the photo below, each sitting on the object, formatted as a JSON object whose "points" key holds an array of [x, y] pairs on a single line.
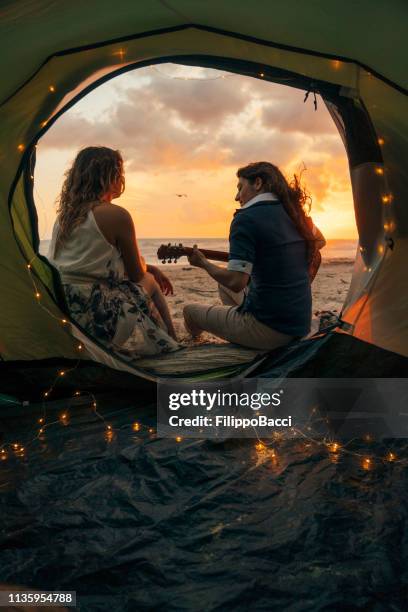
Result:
{"points": [[386, 198], [334, 447], [21, 147], [381, 141], [367, 463], [51, 88], [136, 426], [379, 171], [391, 457]]}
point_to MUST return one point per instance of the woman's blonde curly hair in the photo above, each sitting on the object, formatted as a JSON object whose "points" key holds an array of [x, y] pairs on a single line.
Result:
{"points": [[94, 171]]}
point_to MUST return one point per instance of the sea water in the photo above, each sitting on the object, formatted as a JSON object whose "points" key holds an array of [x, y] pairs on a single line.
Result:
{"points": [[336, 250]]}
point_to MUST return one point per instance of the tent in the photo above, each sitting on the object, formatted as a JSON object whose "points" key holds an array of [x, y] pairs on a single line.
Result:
{"points": [[54, 53]]}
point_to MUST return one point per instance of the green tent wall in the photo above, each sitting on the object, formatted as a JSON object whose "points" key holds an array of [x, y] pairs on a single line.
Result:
{"points": [[353, 54]]}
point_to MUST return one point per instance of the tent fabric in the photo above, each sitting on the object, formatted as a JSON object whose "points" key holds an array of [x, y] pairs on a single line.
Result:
{"points": [[57, 51]]}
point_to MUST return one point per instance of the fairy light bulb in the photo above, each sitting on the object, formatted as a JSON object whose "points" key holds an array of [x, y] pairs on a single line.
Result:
{"points": [[380, 249], [37, 295], [379, 171], [51, 88], [367, 463], [64, 321], [21, 147], [386, 198], [179, 439], [136, 426], [381, 141], [62, 373], [261, 74], [79, 347], [334, 447], [41, 420], [46, 393], [151, 430], [77, 393], [391, 457], [260, 446]]}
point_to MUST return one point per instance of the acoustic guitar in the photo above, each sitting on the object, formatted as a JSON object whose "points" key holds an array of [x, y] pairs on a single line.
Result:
{"points": [[169, 253]]}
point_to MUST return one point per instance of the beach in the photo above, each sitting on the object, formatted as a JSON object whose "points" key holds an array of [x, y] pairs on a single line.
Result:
{"points": [[194, 285]]}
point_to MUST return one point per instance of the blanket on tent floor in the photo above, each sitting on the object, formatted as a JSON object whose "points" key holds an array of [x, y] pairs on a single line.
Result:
{"points": [[131, 521], [138, 522]]}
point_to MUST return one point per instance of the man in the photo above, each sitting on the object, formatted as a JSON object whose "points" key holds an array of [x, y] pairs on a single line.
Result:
{"points": [[265, 289]]}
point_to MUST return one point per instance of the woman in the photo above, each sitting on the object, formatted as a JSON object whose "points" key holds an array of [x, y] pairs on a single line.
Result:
{"points": [[110, 291], [273, 245]]}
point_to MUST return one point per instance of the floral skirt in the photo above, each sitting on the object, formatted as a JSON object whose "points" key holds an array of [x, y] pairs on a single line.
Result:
{"points": [[121, 316]]}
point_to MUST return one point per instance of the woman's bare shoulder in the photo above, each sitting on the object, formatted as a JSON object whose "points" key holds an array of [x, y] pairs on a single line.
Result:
{"points": [[111, 213]]}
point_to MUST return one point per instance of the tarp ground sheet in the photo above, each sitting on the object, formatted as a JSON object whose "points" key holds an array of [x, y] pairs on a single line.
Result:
{"points": [[140, 523]]}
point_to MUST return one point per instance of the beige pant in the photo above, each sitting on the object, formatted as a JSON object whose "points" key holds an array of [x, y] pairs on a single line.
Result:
{"points": [[225, 322]]}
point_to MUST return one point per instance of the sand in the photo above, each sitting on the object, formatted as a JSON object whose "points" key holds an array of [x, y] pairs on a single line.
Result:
{"points": [[194, 285]]}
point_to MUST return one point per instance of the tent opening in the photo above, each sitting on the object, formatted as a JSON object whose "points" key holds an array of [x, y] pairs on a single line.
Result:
{"points": [[183, 132]]}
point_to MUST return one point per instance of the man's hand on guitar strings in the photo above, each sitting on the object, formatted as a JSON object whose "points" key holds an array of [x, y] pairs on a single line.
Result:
{"points": [[197, 258]]}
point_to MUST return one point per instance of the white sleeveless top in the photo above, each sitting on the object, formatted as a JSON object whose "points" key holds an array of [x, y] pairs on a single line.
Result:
{"points": [[86, 256], [102, 300]]}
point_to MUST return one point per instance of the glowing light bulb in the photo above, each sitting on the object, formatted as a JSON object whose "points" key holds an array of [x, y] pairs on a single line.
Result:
{"points": [[381, 141], [15, 446], [51, 88], [151, 430], [79, 347], [391, 457], [136, 426], [179, 439], [380, 249], [386, 227], [63, 321], [336, 64], [334, 447], [387, 198], [29, 266], [62, 373], [367, 463], [21, 147], [46, 394], [260, 446], [379, 171], [38, 295], [77, 393], [41, 420], [44, 123], [41, 430], [261, 74]]}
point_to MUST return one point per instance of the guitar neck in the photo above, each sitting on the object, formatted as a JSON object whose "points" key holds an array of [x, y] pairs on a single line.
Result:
{"points": [[214, 255]]}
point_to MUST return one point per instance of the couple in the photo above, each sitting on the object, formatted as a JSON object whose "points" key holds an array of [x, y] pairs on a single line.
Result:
{"points": [[119, 300]]}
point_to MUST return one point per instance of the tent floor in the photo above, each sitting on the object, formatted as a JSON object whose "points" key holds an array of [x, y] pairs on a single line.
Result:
{"points": [[197, 359]]}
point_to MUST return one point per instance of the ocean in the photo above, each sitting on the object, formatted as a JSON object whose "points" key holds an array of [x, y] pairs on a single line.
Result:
{"points": [[335, 251]]}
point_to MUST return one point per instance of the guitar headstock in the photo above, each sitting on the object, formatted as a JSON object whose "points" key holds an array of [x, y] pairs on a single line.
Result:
{"points": [[169, 252]]}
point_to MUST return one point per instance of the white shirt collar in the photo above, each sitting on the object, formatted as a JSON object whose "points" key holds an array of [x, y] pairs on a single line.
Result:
{"points": [[262, 197]]}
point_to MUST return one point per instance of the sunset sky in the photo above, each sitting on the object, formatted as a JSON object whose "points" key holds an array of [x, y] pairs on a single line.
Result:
{"points": [[186, 131]]}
